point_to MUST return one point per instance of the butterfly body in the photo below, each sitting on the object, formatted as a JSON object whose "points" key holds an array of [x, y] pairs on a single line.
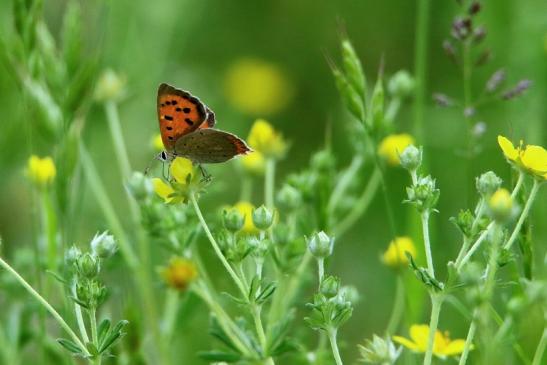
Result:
{"points": [[186, 129]]}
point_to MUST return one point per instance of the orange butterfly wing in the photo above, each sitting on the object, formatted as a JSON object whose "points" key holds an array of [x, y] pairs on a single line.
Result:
{"points": [[180, 113]]}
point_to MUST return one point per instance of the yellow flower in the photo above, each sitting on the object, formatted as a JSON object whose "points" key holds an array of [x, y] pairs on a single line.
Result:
{"points": [[393, 145], [41, 170], [157, 143], [501, 204], [253, 163], [395, 254], [179, 273], [532, 159], [246, 210], [266, 140], [183, 173], [257, 87], [443, 346]]}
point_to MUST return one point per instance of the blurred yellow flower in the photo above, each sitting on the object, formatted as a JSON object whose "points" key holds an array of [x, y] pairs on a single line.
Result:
{"points": [[395, 254], [182, 170], [532, 159], [501, 204], [253, 162], [157, 143], [266, 140], [110, 86], [443, 346], [393, 145], [41, 170], [179, 274], [246, 210], [257, 87]]}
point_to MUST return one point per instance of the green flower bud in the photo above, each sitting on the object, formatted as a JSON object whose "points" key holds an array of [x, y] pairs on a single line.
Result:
{"points": [[516, 305], [72, 255], [263, 218], [88, 266], [488, 183], [110, 87], [233, 220], [103, 245], [464, 222], [289, 197], [401, 84], [353, 68], [424, 195], [321, 245], [323, 160], [91, 292], [350, 293], [139, 186], [330, 286], [379, 351], [259, 247], [501, 205], [411, 158]]}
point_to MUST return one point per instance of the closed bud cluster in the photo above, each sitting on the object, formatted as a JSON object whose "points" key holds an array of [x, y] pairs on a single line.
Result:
{"points": [[103, 245], [139, 186], [488, 183], [289, 197], [411, 158], [424, 195], [321, 245], [233, 220], [401, 84], [330, 286], [263, 218], [88, 266]]}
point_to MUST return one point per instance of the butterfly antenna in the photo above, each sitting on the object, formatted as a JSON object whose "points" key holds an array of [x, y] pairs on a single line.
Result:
{"points": [[147, 170]]}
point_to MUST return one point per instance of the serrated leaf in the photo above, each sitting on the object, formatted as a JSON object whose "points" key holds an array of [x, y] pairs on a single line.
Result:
{"points": [[70, 346]]}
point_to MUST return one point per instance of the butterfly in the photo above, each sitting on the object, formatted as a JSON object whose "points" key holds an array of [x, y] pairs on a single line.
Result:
{"points": [[186, 128]]}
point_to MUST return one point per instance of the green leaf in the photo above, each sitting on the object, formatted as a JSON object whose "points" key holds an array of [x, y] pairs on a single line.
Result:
{"points": [[57, 277], [70, 346], [103, 329], [219, 356], [92, 349], [266, 292]]}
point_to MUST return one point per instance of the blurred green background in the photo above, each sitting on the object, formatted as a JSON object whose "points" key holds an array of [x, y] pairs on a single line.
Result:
{"points": [[195, 45]]}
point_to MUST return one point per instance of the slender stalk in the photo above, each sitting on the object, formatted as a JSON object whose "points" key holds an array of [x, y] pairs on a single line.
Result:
{"points": [[436, 304], [334, 345], [216, 247], [361, 205], [170, 314], [45, 304], [344, 182], [523, 215], [93, 326], [320, 269], [49, 221], [420, 67], [398, 306], [246, 189], [469, 338], [79, 317], [427, 243], [269, 181], [113, 119], [540, 348], [105, 203]]}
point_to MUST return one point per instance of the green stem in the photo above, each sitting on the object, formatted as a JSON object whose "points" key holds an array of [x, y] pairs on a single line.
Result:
{"points": [[523, 215], [216, 248], [93, 325], [538, 356], [246, 189], [105, 203], [269, 181], [170, 314], [45, 304], [79, 317], [436, 304], [398, 306], [334, 345], [344, 182], [361, 205], [427, 243], [420, 67], [469, 338], [118, 142], [320, 269], [49, 219]]}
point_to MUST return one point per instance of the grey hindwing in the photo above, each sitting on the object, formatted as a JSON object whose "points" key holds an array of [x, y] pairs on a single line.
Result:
{"points": [[210, 146]]}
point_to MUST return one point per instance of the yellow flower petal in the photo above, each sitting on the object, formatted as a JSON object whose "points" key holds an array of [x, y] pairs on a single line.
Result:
{"points": [[41, 170], [246, 210], [534, 158], [419, 333], [406, 343], [266, 140], [395, 254], [162, 189], [181, 168], [157, 143], [454, 348], [508, 148], [393, 145]]}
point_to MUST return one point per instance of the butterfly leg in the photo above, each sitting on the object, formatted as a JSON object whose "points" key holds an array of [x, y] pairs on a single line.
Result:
{"points": [[204, 173], [163, 172]]}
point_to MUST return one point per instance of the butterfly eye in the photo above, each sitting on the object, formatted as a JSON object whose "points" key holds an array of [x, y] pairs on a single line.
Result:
{"points": [[162, 156]]}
